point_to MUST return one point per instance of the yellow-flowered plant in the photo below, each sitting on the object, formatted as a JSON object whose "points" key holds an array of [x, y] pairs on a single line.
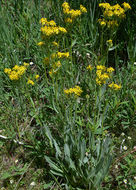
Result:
{"points": [[83, 9], [31, 82], [40, 43], [60, 55], [126, 6], [114, 86], [37, 76], [16, 72], [72, 14], [50, 28], [77, 91], [55, 44], [113, 14], [103, 74], [89, 67]]}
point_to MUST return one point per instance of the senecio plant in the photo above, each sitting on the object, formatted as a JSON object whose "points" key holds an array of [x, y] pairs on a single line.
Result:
{"points": [[112, 16], [83, 161]]}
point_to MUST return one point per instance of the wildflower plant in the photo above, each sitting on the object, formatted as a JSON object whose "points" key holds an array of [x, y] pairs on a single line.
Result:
{"points": [[112, 16]]}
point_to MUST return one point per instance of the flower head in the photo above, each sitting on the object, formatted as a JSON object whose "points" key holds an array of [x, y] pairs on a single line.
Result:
{"points": [[30, 82]]}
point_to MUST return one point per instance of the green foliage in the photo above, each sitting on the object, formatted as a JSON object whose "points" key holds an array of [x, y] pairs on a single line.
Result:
{"points": [[83, 162]]}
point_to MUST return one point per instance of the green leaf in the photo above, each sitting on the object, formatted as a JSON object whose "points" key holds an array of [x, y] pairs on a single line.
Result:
{"points": [[83, 150], [66, 150], [53, 165], [48, 133], [58, 151], [6, 176], [56, 173], [112, 48], [46, 186]]}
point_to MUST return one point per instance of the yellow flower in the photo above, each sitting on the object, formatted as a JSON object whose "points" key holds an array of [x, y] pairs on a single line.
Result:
{"points": [[55, 44], [65, 5], [114, 86], [89, 67], [16, 67], [103, 23], [61, 29], [43, 21], [49, 29], [103, 74], [52, 23], [56, 65], [7, 70], [13, 75], [37, 76], [110, 70], [76, 90], [68, 20], [83, 9], [98, 81], [21, 70], [109, 43], [126, 6], [16, 72], [101, 67], [74, 13], [108, 13], [26, 64], [104, 5], [40, 44], [30, 82], [63, 55]]}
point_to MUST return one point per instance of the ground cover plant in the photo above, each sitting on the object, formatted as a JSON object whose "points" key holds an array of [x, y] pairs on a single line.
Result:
{"points": [[67, 94]]}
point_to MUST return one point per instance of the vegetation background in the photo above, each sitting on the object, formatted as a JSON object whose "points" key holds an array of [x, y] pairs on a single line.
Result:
{"points": [[51, 140]]}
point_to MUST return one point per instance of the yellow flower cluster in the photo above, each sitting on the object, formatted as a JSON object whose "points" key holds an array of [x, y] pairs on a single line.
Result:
{"points": [[55, 57], [76, 90], [16, 72], [126, 6], [60, 55], [114, 86], [110, 23], [44, 21], [37, 76], [112, 13], [71, 13], [31, 82], [103, 74], [50, 28], [89, 67]]}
